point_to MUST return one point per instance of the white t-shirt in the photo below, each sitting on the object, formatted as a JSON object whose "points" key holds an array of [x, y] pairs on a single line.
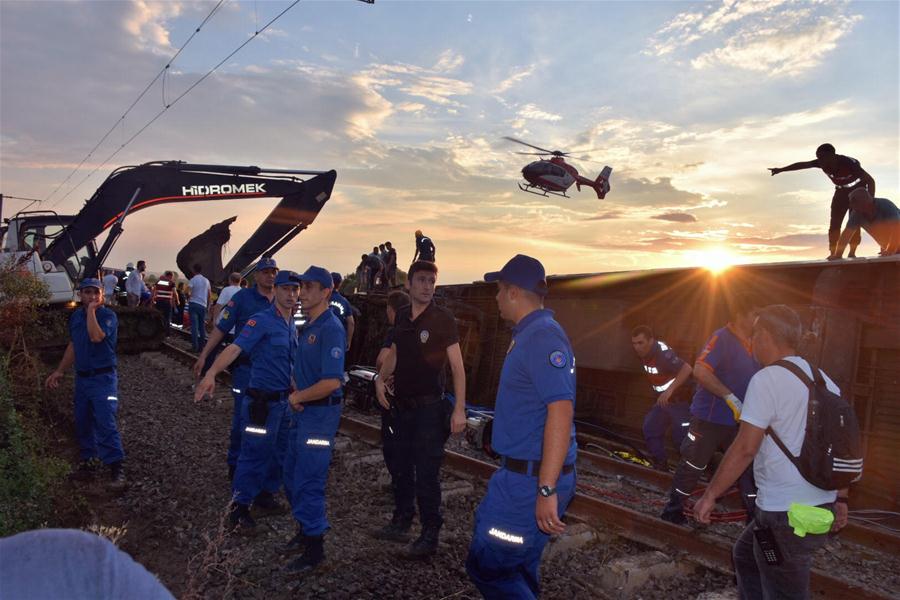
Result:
{"points": [[777, 398], [135, 283], [224, 297], [109, 284], [199, 289]]}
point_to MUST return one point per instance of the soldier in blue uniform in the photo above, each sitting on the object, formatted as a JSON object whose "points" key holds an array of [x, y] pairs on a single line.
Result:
{"points": [[270, 337], [667, 373], [318, 375], [342, 308], [534, 432], [243, 305], [93, 329]]}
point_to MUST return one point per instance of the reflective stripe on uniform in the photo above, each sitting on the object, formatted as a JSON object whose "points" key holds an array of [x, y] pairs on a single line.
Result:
{"points": [[665, 386], [317, 442], [693, 466], [258, 430], [506, 537], [113, 398]]}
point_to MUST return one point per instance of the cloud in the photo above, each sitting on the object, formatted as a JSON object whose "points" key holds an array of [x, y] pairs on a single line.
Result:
{"points": [[449, 61], [518, 75], [607, 215], [531, 111], [677, 217], [146, 23], [774, 37]]}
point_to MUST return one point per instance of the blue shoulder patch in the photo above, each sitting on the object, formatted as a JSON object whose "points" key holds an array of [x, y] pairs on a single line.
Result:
{"points": [[558, 359]]}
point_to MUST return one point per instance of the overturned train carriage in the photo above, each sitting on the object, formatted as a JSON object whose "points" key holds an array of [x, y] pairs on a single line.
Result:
{"points": [[851, 311]]}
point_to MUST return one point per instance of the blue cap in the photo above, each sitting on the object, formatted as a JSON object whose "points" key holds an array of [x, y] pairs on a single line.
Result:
{"points": [[286, 277], [336, 278], [90, 282], [319, 274], [266, 263], [522, 271]]}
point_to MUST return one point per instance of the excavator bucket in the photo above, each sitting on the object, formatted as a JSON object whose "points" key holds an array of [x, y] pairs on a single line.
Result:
{"points": [[206, 250]]}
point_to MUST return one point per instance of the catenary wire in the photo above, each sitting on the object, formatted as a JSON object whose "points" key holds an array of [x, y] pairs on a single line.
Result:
{"points": [[182, 95], [133, 104]]}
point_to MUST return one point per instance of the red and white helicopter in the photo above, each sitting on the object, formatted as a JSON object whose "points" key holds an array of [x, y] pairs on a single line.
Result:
{"points": [[553, 176]]}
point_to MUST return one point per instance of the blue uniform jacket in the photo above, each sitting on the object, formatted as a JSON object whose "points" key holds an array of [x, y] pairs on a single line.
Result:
{"points": [[271, 342], [341, 308], [732, 362], [661, 366], [320, 352], [242, 306], [539, 369], [90, 355]]}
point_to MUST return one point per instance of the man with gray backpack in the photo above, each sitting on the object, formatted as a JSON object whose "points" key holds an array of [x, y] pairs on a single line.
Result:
{"points": [[803, 440]]}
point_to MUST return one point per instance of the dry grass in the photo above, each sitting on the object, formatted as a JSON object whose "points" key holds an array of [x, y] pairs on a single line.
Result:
{"points": [[114, 533], [213, 564]]}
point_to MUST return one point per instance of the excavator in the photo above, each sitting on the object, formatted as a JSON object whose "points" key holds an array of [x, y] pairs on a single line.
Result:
{"points": [[61, 249]]}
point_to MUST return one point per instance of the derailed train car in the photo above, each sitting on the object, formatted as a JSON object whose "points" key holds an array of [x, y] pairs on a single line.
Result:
{"points": [[851, 312]]}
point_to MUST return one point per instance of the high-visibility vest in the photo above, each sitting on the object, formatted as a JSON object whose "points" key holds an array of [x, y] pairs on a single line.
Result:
{"points": [[164, 290]]}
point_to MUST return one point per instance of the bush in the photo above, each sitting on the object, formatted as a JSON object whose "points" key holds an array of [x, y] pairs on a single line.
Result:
{"points": [[28, 479]]}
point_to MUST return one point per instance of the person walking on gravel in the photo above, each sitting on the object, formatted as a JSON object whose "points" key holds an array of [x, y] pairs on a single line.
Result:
{"points": [[318, 376], [93, 329], [534, 431], [270, 337]]}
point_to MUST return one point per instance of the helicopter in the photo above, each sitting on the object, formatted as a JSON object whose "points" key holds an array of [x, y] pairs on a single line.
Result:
{"points": [[553, 176]]}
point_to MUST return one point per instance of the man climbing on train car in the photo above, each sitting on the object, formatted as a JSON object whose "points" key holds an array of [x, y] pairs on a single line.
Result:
{"points": [[847, 175]]}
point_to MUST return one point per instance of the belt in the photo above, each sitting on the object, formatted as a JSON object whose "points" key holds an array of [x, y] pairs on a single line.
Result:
{"points": [[418, 401], [847, 185], [528, 467], [92, 372], [324, 402], [267, 395]]}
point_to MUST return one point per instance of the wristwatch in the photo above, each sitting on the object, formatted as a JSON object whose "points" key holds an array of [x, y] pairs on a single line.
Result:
{"points": [[546, 491]]}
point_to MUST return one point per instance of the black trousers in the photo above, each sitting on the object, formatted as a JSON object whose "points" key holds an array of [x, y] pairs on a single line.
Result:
{"points": [[417, 454], [701, 442], [840, 204]]}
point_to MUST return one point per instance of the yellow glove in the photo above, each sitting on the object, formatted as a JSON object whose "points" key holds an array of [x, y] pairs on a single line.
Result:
{"points": [[735, 404]]}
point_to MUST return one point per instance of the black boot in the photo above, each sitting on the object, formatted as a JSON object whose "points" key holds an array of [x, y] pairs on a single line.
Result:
{"points": [[86, 470], [296, 543], [241, 521], [265, 505], [312, 556], [426, 545], [674, 510], [395, 531], [117, 479]]}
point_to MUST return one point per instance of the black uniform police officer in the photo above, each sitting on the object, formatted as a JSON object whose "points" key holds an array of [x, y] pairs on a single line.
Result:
{"points": [[425, 339]]}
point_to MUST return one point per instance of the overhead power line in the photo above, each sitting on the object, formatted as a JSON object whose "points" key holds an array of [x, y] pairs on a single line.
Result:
{"points": [[161, 73], [182, 95]]}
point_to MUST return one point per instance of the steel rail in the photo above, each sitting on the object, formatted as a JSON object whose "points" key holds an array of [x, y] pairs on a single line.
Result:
{"points": [[640, 527], [865, 536]]}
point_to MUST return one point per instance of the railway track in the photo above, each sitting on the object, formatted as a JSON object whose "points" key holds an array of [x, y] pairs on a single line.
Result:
{"points": [[707, 549]]}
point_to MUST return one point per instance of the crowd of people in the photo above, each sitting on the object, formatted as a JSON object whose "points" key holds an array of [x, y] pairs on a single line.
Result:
{"points": [[748, 381]]}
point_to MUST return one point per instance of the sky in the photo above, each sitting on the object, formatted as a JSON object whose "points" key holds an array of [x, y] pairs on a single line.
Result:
{"points": [[688, 102]]}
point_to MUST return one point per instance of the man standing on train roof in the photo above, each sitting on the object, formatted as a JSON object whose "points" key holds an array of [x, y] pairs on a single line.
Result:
{"points": [[667, 373], [847, 175], [93, 329], [878, 216], [390, 265], [424, 247], [425, 341], [318, 375], [723, 371], [342, 308], [270, 337], [534, 432], [243, 305]]}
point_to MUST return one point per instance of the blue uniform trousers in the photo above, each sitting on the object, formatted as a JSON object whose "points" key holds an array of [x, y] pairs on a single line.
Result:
{"points": [[306, 465], [96, 405], [259, 452], [677, 416], [505, 553], [240, 379]]}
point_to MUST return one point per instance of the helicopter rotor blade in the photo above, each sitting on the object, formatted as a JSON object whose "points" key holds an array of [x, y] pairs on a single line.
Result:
{"points": [[532, 153], [544, 150]]}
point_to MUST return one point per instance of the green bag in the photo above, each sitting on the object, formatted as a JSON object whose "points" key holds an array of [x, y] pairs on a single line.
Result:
{"points": [[809, 519]]}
